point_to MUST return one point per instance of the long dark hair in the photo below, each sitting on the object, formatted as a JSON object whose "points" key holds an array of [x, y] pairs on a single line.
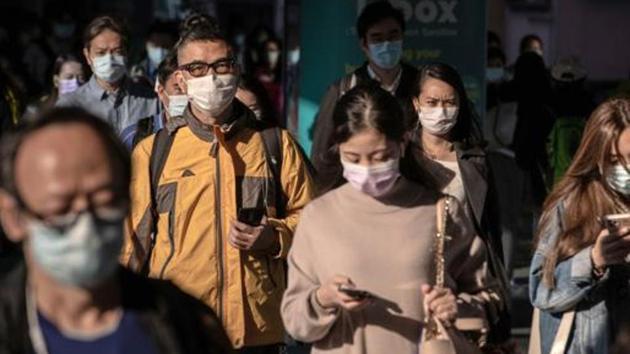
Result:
{"points": [[368, 106], [466, 131], [583, 189]]}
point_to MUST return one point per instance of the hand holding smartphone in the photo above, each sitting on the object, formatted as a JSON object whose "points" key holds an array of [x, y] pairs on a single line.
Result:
{"points": [[613, 245], [251, 216], [615, 222], [354, 293]]}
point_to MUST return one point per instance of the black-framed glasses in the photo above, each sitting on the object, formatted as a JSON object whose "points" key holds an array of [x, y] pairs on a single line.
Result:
{"points": [[100, 215], [104, 213], [219, 67]]}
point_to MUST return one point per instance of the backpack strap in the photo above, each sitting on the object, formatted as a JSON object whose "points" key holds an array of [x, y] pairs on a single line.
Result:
{"points": [[144, 129], [272, 143], [159, 154], [162, 144]]}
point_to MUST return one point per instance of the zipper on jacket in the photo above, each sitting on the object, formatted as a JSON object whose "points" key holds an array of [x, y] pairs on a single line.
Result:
{"points": [[214, 150], [171, 240]]}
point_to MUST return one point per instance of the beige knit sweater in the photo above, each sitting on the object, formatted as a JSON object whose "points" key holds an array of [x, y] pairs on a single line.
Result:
{"points": [[387, 249]]}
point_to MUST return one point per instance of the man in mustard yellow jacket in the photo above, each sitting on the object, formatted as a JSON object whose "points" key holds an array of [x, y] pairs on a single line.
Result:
{"points": [[213, 209]]}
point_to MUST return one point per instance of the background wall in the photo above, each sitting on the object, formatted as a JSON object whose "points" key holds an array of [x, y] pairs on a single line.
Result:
{"points": [[595, 31]]}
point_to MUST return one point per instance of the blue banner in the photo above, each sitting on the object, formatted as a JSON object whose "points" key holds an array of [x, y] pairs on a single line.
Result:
{"points": [[450, 31]]}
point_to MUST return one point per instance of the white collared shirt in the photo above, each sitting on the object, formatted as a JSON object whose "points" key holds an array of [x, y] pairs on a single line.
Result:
{"points": [[391, 88]]}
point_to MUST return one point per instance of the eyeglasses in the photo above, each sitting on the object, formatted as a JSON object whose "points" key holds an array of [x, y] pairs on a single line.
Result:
{"points": [[219, 67], [105, 214]]}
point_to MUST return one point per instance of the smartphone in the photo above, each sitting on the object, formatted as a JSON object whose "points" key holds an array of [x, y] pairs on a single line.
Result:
{"points": [[251, 216], [356, 294], [614, 222]]}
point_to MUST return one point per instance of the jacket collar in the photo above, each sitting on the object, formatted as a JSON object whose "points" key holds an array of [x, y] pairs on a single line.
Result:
{"points": [[474, 177], [100, 92], [407, 78], [465, 152], [239, 119]]}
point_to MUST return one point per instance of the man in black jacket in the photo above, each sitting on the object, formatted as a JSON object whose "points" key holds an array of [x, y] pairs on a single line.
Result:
{"points": [[380, 28], [65, 193]]}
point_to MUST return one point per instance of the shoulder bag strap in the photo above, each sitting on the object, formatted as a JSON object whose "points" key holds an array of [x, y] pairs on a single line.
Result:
{"points": [[442, 210], [564, 332], [561, 340]]}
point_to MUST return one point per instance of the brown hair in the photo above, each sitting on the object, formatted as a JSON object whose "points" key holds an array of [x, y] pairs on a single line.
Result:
{"points": [[102, 24], [583, 189]]}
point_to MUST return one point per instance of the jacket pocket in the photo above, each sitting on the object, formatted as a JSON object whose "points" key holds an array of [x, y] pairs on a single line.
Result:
{"points": [[261, 281], [165, 208], [255, 192]]}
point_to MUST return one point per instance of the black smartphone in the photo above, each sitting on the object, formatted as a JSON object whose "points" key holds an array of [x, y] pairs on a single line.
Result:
{"points": [[355, 293], [251, 216]]}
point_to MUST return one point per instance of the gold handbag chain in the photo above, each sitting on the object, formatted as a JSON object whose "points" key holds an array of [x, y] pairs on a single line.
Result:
{"points": [[440, 241], [431, 327]]}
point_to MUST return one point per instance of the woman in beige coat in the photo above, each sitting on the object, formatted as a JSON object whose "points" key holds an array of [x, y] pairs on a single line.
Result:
{"points": [[362, 260]]}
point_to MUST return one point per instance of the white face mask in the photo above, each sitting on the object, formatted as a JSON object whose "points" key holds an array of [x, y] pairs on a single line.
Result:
{"points": [[177, 105], [109, 68], [618, 179], [83, 255], [212, 94], [437, 120]]}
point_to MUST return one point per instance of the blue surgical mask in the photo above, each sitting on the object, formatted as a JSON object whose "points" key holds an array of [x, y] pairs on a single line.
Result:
{"points": [[110, 68], [386, 55], [156, 54], [83, 254], [618, 178], [495, 74]]}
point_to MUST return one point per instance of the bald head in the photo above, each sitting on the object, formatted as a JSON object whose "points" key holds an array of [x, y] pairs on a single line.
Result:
{"points": [[64, 167], [63, 162]]}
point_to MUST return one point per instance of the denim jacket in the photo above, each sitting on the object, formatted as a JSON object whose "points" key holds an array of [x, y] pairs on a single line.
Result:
{"points": [[577, 289]]}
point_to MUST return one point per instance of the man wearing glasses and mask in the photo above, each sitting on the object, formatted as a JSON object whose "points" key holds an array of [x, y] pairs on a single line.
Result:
{"points": [[65, 194], [216, 197]]}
